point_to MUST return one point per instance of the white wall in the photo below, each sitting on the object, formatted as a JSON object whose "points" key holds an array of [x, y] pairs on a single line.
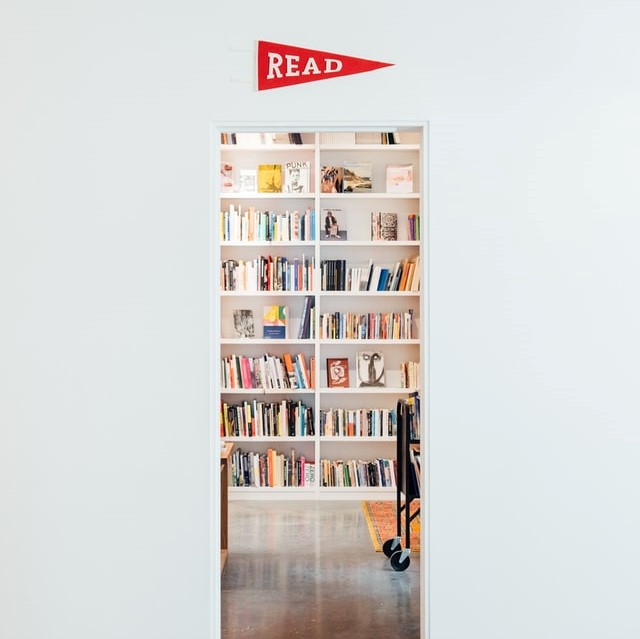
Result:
{"points": [[103, 330]]}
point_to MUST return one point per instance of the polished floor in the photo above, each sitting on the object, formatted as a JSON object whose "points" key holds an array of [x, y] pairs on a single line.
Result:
{"points": [[308, 569]]}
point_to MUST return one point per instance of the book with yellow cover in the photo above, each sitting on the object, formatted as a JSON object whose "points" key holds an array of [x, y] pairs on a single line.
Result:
{"points": [[270, 178], [274, 322]]}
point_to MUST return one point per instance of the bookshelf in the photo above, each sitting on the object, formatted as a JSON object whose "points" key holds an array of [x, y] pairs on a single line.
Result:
{"points": [[355, 278]]}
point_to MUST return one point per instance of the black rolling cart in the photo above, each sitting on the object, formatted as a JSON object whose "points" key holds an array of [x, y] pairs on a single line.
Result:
{"points": [[408, 483]]}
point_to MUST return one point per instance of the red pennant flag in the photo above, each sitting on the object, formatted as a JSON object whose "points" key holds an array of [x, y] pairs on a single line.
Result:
{"points": [[281, 65]]}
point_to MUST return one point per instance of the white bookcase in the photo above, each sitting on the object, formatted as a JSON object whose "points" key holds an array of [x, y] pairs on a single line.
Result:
{"points": [[322, 146]]}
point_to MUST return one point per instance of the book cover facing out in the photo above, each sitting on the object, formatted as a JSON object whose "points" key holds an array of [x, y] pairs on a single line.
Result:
{"points": [[296, 177], [243, 322], [334, 224], [274, 322], [357, 177], [270, 178], [337, 372], [399, 178]]}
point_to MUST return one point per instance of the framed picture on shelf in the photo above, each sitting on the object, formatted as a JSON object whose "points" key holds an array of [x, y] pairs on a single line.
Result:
{"points": [[370, 368], [270, 178], [243, 324], [357, 177], [334, 224], [338, 372], [296, 177], [274, 322], [331, 179], [399, 178]]}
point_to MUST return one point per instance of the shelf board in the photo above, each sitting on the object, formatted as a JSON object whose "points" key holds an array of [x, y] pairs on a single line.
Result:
{"points": [[270, 147], [274, 438], [367, 390], [267, 391], [357, 439], [369, 196], [264, 293], [370, 243], [368, 293], [364, 342], [244, 341], [369, 147], [266, 196], [270, 243]]}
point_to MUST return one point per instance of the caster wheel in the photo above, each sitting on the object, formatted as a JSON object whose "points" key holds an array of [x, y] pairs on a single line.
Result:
{"points": [[389, 547], [397, 563]]}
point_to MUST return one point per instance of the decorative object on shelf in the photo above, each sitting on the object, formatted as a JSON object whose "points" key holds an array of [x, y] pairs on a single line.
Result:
{"points": [[399, 178], [270, 178], [296, 177], [243, 322], [370, 368], [274, 322], [384, 226], [357, 177], [226, 177], [247, 181], [338, 372], [331, 179], [333, 224]]}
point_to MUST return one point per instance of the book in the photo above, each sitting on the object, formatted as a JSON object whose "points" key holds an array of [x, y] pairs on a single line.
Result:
{"points": [[306, 319], [274, 322], [399, 178], [368, 137], [243, 322], [247, 180], [270, 178], [357, 177], [337, 372], [334, 224], [331, 179], [370, 368], [226, 177], [384, 226], [338, 138], [296, 177]]}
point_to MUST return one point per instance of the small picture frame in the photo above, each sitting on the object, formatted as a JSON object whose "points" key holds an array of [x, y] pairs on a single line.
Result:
{"points": [[338, 372]]}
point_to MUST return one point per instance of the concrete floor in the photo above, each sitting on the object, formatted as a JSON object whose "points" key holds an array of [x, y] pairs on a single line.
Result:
{"points": [[308, 569]]}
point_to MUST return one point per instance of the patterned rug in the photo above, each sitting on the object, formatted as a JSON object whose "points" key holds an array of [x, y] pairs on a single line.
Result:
{"points": [[381, 520]]}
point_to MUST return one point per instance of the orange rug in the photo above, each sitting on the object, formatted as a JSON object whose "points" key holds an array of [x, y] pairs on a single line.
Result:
{"points": [[381, 520]]}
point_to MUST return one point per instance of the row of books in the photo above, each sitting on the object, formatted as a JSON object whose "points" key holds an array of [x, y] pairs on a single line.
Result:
{"points": [[358, 137], [409, 374], [268, 372], [268, 273], [358, 473], [393, 325], [326, 137], [251, 138], [358, 422], [266, 419], [251, 225], [270, 469], [404, 275]]}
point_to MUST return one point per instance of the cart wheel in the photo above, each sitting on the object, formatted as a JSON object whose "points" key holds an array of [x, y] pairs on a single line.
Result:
{"points": [[389, 546], [397, 563]]}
